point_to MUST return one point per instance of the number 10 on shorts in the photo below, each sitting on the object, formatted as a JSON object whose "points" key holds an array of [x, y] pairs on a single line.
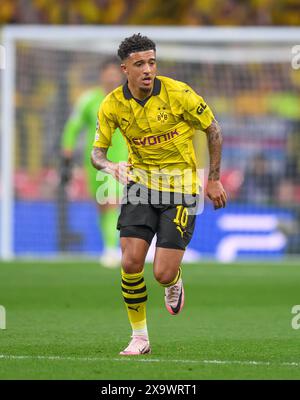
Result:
{"points": [[181, 216]]}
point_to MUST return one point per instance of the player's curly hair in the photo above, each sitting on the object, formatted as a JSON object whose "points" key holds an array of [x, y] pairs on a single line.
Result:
{"points": [[133, 44]]}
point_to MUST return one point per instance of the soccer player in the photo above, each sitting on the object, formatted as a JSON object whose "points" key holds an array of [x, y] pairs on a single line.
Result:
{"points": [[83, 119], [158, 117]]}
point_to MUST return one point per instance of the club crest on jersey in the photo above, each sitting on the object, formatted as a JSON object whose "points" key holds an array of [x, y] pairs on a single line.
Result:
{"points": [[162, 116]]}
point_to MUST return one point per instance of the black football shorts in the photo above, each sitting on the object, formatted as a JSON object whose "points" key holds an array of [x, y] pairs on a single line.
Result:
{"points": [[146, 212]]}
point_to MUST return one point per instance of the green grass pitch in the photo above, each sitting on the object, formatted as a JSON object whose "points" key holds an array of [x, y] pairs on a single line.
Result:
{"points": [[67, 320]]}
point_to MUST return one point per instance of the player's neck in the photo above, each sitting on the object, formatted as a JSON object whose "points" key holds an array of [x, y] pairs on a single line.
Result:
{"points": [[139, 94]]}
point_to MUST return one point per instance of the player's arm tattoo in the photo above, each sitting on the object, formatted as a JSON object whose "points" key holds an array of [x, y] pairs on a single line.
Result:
{"points": [[214, 139], [98, 158]]}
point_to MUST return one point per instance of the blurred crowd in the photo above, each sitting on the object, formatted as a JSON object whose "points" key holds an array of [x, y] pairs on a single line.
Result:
{"points": [[151, 12]]}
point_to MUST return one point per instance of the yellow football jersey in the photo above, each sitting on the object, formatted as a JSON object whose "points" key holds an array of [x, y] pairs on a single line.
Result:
{"points": [[158, 131]]}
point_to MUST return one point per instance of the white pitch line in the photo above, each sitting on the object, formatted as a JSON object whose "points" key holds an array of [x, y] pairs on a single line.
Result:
{"points": [[150, 360]]}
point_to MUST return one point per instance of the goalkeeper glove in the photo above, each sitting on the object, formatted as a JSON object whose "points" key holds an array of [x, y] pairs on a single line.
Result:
{"points": [[65, 169]]}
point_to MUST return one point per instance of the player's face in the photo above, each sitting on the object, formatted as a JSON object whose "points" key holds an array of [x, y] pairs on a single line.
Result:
{"points": [[140, 70], [110, 77]]}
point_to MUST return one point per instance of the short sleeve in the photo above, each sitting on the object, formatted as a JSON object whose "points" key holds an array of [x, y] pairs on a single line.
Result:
{"points": [[105, 126], [195, 109]]}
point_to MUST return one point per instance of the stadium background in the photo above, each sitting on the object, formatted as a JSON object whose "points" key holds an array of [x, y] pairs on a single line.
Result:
{"points": [[258, 107]]}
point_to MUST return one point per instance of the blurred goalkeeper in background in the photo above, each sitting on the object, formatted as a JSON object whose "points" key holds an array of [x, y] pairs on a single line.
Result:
{"points": [[83, 119]]}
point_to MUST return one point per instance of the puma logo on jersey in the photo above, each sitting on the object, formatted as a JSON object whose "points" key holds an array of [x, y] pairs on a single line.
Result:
{"points": [[134, 308]]}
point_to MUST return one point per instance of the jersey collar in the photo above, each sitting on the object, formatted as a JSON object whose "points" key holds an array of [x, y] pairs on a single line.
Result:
{"points": [[156, 91]]}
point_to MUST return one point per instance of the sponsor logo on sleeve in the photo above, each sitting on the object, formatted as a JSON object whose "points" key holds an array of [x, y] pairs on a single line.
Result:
{"points": [[201, 108]]}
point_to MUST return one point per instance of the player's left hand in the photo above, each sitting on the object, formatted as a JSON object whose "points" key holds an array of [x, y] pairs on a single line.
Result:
{"points": [[216, 193]]}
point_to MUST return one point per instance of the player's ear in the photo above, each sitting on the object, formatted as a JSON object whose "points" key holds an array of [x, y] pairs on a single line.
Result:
{"points": [[124, 69]]}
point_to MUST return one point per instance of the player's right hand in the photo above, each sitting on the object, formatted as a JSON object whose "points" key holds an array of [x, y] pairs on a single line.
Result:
{"points": [[121, 171]]}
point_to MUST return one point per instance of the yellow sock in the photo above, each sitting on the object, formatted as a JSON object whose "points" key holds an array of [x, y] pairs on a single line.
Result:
{"points": [[135, 296], [175, 280]]}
